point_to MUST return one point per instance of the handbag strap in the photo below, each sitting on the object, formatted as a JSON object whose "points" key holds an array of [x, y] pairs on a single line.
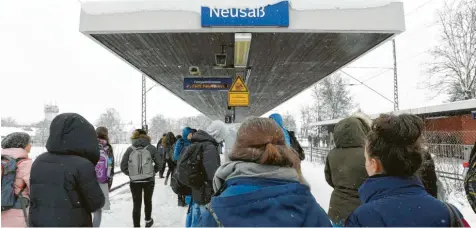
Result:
{"points": [[455, 220]]}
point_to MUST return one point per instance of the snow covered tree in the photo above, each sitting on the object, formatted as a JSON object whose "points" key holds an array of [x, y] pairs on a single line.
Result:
{"points": [[453, 69], [289, 122], [113, 122], [332, 98], [159, 124], [9, 122]]}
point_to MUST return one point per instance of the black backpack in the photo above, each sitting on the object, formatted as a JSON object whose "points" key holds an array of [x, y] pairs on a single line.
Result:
{"points": [[190, 170], [296, 146], [178, 187]]}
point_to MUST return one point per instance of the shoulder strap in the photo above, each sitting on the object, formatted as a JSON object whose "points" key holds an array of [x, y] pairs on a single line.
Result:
{"points": [[455, 220], [214, 215]]}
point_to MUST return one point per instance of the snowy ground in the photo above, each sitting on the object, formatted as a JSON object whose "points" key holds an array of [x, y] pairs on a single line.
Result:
{"points": [[167, 213]]}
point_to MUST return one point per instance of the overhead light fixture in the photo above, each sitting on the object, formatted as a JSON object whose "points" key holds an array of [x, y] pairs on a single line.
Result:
{"points": [[242, 49]]}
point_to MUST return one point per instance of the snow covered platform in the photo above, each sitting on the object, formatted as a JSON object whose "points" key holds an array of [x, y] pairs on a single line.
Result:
{"points": [[292, 44]]}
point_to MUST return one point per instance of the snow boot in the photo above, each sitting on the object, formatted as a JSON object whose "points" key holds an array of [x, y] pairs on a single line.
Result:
{"points": [[149, 223]]}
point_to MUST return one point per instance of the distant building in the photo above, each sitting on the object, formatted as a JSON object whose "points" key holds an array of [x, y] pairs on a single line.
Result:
{"points": [[51, 111], [450, 129]]}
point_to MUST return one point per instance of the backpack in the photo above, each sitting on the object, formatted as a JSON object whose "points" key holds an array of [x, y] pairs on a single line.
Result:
{"points": [[9, 198], [101, 167], [140, 164], [178, 187], [296, 146], [190, 170]]}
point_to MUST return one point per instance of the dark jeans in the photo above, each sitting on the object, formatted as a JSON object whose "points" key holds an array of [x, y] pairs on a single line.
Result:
{"points": [[136, 190], [171, 164], [162, 170]]}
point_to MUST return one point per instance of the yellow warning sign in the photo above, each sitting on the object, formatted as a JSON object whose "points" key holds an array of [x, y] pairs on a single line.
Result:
{"points": [[238, 99], [238, 95], [238, 85]]}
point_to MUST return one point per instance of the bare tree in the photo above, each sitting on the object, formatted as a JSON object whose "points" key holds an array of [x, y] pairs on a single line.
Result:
{"points": [[9, 122], [332, 98], [453, 70], [113, 122]]}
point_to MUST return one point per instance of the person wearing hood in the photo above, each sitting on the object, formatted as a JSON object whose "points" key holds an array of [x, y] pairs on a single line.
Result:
{"points": [[345, 166], [180, 146], [142, 181], [64, 189], [289, 137], [393, 196], [262, 185], [182, 143], [17, 146], [210, 141]]}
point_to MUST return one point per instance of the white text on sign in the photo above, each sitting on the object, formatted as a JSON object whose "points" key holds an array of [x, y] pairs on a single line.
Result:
{"points": [[233, 12]]}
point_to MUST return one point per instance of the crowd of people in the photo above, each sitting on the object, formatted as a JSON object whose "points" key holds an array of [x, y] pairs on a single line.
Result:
{"points": [[380, 172]]}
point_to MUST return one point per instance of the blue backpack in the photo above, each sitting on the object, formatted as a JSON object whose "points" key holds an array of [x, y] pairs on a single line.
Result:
{"points": [[9, 198]]}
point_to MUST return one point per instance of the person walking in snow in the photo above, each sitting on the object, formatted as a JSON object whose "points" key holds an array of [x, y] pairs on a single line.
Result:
{"points": [[15, 148], [168, 144], [345, 166], [180, 146], [205, 144], [64, 188], [262, 185], [141, 162], [104, 171], [160, 149], [393, 196]]}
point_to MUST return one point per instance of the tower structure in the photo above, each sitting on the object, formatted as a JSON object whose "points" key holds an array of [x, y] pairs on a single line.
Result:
{"points": [[51, 111]]}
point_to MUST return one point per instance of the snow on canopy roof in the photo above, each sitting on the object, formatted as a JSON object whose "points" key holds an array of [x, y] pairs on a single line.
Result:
{"points": [[441, 108], [123, 6]]}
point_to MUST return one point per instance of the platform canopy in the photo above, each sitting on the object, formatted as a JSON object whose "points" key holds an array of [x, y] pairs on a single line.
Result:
{"points": [[279, 47]]}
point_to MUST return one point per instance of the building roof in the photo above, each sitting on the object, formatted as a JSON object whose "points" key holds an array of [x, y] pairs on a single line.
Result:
{"points": [[436, 110]]}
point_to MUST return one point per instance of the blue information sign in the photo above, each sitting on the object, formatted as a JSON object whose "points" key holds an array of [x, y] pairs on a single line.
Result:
{"points": [[276, 15], [207, 83]]}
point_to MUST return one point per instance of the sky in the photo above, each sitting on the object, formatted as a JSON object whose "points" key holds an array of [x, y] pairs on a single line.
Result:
{"points": [[45, 59]]}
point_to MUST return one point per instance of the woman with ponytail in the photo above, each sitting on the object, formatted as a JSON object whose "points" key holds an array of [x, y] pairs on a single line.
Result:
{"points": [[262, 185], [393, 195]]}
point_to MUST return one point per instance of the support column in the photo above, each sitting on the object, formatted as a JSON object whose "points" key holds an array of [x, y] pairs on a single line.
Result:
{"points": [[144, 106]]}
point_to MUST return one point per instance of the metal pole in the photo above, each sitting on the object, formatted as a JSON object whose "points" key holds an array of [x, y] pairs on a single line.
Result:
{"points": [[395, 78], [144, 105]]}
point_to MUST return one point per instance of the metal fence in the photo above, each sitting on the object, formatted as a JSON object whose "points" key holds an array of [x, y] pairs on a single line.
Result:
{"points": [[446, 166]]}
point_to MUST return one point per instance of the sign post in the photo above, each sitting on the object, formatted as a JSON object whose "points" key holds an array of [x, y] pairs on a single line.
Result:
{"points": [[238, 95]]}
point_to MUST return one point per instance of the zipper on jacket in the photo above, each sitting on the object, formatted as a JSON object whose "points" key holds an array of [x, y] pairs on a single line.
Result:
{"points": [[140, 160]]}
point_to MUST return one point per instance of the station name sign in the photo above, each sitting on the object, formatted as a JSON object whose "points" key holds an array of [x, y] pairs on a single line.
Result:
{"points": [[276, 15], [207, 83]]}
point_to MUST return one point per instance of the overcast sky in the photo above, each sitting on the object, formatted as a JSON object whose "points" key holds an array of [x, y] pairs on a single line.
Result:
{"points": [[44, 58]]}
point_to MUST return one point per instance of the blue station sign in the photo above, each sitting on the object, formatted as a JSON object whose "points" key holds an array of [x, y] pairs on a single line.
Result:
{"points": [[276, 15], [207, 83]]}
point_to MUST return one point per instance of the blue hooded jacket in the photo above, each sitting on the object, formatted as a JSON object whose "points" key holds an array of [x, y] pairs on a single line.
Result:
{"points": [[255, 202], [279, 120], [398, 202], [181, 143]]}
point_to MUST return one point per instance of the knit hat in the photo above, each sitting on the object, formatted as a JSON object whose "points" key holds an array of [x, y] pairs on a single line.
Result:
{"points": [[16, 140], [217, 130]]}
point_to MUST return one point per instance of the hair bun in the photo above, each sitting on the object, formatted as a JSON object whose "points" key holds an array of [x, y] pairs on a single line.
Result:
{"points": [[403, 130]]}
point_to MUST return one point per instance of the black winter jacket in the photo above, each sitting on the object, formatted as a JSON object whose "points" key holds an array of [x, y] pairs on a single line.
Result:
{"points": [[64, 189], [211, 162], [141, 143]]}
